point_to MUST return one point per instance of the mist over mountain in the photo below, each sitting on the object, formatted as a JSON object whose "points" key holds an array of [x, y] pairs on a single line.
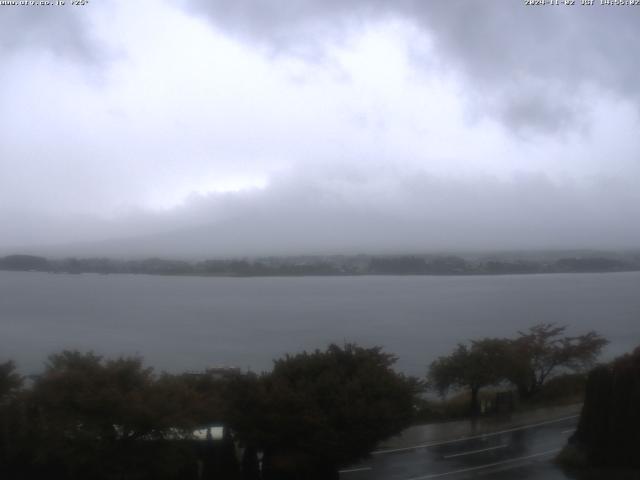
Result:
{"points": [[363, 215]]}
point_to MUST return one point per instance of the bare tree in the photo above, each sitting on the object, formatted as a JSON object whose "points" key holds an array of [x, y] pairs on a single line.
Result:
{"points": [[541, 352]]}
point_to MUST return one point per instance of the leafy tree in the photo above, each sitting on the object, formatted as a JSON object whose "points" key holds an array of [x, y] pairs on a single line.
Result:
{"points": [[188, 401], [95, 418], [10, 381], [470, 367], [96, 398], [317, 411], [86, 413], [607, 432], [541, 352]]}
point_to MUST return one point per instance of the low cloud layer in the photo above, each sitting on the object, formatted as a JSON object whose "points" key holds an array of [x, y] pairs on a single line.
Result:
{"points": [[364, 214]]}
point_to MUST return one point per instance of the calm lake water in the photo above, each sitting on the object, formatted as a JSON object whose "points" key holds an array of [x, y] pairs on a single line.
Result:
{"points": [[179, 323]]}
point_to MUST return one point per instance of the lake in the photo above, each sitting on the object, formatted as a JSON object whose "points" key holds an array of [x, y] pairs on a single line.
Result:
{"points": [[189, 323]]}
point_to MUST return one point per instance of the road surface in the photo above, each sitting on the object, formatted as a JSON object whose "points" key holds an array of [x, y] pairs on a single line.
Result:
{"points": [[522, 452]]}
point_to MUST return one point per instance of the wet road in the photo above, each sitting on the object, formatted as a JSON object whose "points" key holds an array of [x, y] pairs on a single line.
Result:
{"points": [[514, 453]]}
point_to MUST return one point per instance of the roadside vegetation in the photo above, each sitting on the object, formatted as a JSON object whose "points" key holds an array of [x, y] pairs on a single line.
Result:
{"points": [[86, 416], [90, 417], [541, 364]]}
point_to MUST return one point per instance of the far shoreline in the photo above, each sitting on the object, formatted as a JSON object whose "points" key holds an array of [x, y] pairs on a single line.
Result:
{"points": [[335, 265]]}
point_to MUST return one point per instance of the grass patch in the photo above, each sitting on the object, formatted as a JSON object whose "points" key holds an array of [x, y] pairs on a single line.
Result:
{"points": [[567, 389]]}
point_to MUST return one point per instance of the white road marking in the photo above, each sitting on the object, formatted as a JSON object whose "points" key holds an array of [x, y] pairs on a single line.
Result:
{"points": [[488, 465], [474, 437], [352, 470], [471, 452], [564, 432]]}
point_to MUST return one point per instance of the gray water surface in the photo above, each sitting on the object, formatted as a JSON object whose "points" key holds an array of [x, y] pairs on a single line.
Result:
{"points": [[180, 323]]}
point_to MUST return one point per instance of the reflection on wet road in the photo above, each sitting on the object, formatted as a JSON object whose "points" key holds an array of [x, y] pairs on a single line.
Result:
{"points": [[524, 452]]}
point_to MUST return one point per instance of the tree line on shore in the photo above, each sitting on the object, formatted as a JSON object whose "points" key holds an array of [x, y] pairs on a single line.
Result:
{"points": [[318, 266], [86, 416]]}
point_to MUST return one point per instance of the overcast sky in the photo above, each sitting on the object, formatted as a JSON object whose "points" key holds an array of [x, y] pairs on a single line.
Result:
{"points": [[320, 126]]}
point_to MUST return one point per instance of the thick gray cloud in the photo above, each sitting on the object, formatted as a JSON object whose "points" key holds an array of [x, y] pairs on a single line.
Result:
{"points": [[534, 67], [540, 63], [302, 27], [62, 30]]}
